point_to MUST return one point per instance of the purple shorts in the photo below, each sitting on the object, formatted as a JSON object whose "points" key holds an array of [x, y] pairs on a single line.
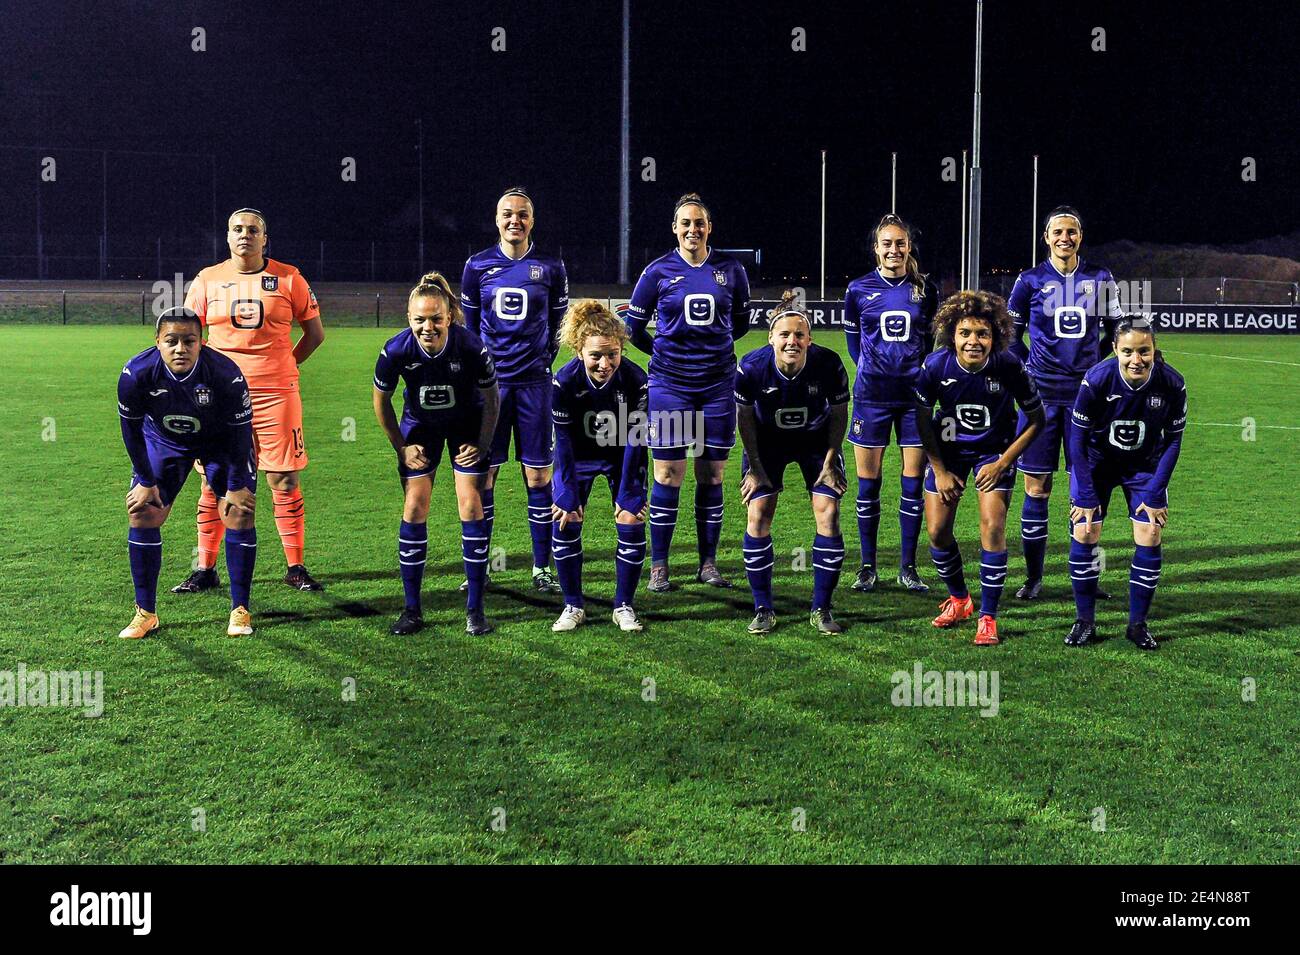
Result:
{"points": [[681, 418], [172, 468], [872, 424], [433, 440], [525, 413], [1136, 492], [965, 464], [1044, 453]]}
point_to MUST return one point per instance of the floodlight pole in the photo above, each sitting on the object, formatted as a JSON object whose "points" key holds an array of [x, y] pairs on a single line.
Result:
{"points": [[625, 153], [893, 183], [973, 264], [419, 148], [1033, 222], [961, 266], [823, 276]]}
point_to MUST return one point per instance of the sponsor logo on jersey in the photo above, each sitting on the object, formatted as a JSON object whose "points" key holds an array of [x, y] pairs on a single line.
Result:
{"points": [[203, 395], [1113, 397], [948, 381], [535, 273], [414, 364], [157, 391], [720, 276], [270, 283], [492, 271], [789, 419], [248, 400], [873, 296], [1127, 435], [973, 417]]}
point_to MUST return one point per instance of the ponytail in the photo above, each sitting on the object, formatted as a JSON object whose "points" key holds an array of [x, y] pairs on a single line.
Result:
{"points": [[435, 284]]}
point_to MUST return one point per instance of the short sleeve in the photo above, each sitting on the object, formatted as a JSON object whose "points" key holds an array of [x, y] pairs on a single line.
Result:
{"points": [[196, 299], [560, 412], [744, 387], [485, 369], [839, 381], [128, 402], [305, 306], [1023, 388], [923, 387], [386, 373]]}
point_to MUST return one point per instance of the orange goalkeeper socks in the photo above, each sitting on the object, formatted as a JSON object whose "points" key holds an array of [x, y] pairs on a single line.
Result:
{"points": [[291, 521], [211, 530]]}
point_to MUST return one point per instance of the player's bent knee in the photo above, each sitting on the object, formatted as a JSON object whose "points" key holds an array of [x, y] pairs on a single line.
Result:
{"points": [[282, 480], [1087, 537], [1146, 535]]}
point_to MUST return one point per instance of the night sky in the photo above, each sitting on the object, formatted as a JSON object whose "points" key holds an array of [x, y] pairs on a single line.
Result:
{"points": [[1146, 138]]}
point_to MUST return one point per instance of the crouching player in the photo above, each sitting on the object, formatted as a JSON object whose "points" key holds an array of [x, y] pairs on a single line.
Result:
{"points": [[1126, 430], [976, 384], [450, 399], [181, 402], [599, 408], [792, 408]]}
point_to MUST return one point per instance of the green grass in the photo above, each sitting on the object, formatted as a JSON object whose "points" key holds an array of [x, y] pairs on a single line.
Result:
{"points": [[554, 729]]}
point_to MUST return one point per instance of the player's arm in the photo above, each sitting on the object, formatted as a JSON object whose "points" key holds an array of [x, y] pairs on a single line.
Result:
{"points": [[631, 494], [486, 376], [836, 427], [1032, 405], [1112, 311], [645, 298], [1164, 471], [555, 316], [131, 412], [946, 483], [740, 304], [470, 303], [313, 333], [852, 331], [565, 502], [756, 478], [385, 384], [307, 312], [929, 306], [1018, 304]]}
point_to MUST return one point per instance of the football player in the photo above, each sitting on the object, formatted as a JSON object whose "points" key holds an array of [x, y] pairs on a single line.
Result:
{"points": [[249, 304], [887, 315], [451, 401], [599, 411], [514, 296], [1068, 307], [181, 404], [1126, 431], [976, 385], [701, 298], [793, 408]]}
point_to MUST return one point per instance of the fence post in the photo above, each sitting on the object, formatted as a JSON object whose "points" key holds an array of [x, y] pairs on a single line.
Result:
{"points": [[142, 299], [1295, 293], [1223, 287], [376, 310], [1181, 280], [65, 306]]}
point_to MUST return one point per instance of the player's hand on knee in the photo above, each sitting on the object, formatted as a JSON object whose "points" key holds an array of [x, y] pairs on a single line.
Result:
{"points": [[833, 477], [751, 484], [566, 518], [141, 498], [1156, 515], [240, 503], [949, 486], [1084, 517], [989, 475], [469, 455], [413, 457]]}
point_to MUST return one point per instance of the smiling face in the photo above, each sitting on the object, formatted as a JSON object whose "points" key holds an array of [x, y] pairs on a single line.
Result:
{"points": [[692, 227], [246, 236], [1136, 351], [514, 220], [892, 249], [1064, 237], [430, 319], [973, 341], [601, 357], [179, 344], [790, 337]]}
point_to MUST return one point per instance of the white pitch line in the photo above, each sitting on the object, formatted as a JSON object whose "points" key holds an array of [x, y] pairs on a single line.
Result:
{"points": [[1262, 361], [1238, 424]]}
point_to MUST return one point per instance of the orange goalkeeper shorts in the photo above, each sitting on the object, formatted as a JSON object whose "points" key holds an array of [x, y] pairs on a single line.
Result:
{"points": [[277, 429]]}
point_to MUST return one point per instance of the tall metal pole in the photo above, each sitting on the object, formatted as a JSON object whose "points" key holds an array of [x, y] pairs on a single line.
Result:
{"points": [[893, 183], [823, 284], [973, 263], [1033, 222], [213, 159], [103, 231], [419, 148], [625, 152], [961, 268]]}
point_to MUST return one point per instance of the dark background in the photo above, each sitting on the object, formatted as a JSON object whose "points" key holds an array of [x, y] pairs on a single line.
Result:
{"points": [[1146, 138]]}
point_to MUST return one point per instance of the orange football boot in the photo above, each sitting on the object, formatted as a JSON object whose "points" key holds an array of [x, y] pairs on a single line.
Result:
{"points": [[953, 611]]}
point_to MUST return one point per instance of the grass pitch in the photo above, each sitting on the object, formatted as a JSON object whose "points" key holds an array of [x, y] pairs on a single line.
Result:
{"points": [[785, 748]]}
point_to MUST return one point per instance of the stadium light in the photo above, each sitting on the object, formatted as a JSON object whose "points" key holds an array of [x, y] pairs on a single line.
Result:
{"points": [[973, 264]]}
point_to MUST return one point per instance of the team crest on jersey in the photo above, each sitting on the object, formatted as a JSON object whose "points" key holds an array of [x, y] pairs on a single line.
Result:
{"points": [[1155, 401], [535, 273], [618, 397], [270, 283], [994, 386], [454, 366], [1087, 287], [857, 427], [812, 391], [720, 276], [916, 293], [203, 395]]}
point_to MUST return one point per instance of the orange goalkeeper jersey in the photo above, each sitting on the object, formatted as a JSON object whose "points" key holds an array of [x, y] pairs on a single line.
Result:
{"points": [[249, 316]]}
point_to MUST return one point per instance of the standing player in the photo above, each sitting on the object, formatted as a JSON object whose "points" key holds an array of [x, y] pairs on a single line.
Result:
{"points": [[1067, 306], [1126, 430], [514, 297], [181, 403], [600, 405], [793, 400], [887, 315], [249, 304], [974, 381], [450, 399], [701, 297]]}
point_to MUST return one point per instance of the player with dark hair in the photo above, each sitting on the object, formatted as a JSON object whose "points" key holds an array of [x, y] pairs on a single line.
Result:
{"points": [[599, 409], [887, 315], [701, 298], [450, 400], [793, 404], [182, 404], [1126, 431], [249, 304], [976, 384], [514, 296], [1068, 307]]}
